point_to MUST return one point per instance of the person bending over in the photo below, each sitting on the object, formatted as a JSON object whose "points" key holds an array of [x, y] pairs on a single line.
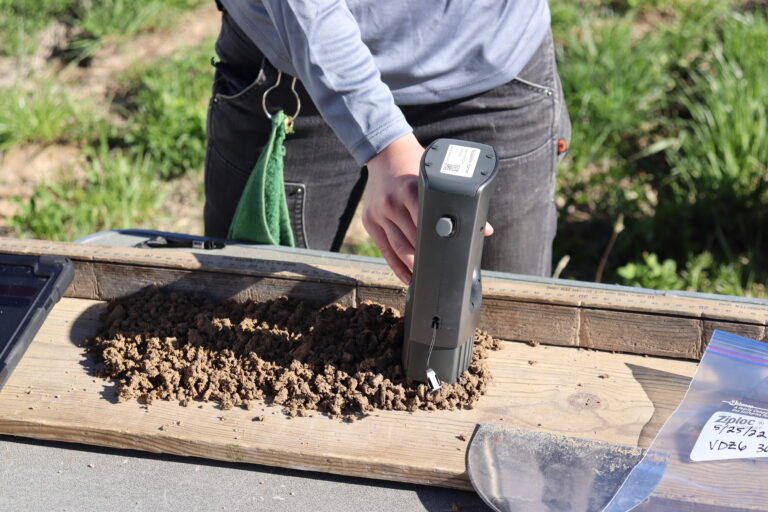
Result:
{"points": [[378, 80]]}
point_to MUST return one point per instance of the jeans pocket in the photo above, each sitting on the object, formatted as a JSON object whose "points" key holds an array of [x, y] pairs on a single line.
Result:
{"points": [[543, 89], [528, 156], [538, 75], [237, 126], [228, 87]]}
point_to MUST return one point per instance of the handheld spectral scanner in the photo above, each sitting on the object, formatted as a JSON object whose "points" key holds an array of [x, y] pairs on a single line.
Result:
{"points": [[443, 303]]}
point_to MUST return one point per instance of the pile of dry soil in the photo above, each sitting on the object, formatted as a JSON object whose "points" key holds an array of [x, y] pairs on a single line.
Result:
{"points": [[336, 360]]}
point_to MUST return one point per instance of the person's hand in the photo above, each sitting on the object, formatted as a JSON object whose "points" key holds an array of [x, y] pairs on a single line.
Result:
{"points": [[391, 205]]}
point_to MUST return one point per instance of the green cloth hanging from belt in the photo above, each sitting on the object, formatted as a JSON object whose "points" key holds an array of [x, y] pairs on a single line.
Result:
{"points": [[262, 212]]}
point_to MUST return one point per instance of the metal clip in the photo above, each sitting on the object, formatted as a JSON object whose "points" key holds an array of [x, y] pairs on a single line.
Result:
{"points": [[433, 383], [289, 119]]}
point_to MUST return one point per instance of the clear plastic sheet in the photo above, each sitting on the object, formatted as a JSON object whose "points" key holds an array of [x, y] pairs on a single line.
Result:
{"points": [[716, 441], [517, 470]]}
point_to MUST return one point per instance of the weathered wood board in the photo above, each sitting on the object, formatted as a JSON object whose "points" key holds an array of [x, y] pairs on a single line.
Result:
{"points": [[560, 386], [550, 312], [582, 393]]}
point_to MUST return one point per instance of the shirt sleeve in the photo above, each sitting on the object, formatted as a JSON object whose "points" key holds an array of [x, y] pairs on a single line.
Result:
{"points": [[337, 69]]}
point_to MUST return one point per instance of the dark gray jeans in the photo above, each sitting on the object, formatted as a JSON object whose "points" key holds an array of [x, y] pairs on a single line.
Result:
{"points": [[525, 120]]}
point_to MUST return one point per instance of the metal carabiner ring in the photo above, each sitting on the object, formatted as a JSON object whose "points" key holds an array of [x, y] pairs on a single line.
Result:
{"points": [[293, 90]]}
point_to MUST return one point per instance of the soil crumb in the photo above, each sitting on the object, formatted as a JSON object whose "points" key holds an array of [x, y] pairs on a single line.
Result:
{"points": [[341, 361]]}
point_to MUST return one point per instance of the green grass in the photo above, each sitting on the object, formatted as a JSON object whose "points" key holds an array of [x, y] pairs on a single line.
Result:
{"points": [[616, 88], [716, 191], [43, 112], [108, 20], [119, 190], [94, 21], [701, 273], [130, 168], [167, 110], [721, 155], [21, 20], [670, 133], [621, 76], [38, 109], [365, 248], [103, 18], [669, 130]]}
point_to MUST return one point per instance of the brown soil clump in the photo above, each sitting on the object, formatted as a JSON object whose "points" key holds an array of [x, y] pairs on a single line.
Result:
{"points": [[337, 360]]}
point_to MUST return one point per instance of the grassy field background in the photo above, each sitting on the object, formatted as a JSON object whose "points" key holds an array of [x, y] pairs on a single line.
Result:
{"points": [[102, 126]]}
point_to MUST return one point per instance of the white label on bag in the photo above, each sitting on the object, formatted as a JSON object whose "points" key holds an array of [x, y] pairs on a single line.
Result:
{"points": [[460, 161], [729, 435]]}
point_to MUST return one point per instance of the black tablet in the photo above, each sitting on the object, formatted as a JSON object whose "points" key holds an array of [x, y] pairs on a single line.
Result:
{"points": [[29, 287]]}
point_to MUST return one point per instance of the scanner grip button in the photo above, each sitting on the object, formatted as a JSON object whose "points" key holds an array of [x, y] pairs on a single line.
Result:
{"points": [[444, 226]]}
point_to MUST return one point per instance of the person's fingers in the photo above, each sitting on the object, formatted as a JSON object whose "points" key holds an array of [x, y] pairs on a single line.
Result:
{"points": [[401, 218], [488, 231], [380, 239], [402, 207], [399, 243]]}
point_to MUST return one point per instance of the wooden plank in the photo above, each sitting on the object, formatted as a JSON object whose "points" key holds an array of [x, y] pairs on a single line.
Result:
{"points": [[170, 259], [84, 285], [114, 281], [575, 392], [533, 323], [391, 297], [665, 389], [620, 298], [557, 313], [499, 286], [755, 332], [657, 335]]}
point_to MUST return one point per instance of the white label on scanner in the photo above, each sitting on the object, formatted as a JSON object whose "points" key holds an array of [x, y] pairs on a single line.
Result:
{"points": [[728, 435], [460, 161]]}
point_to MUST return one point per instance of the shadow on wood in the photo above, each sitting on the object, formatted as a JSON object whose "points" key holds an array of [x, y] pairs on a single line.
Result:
{"points": [[665, 390]]}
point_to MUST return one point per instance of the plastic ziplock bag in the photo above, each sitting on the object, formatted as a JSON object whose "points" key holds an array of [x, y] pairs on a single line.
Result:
{"points": [[716, 441]]}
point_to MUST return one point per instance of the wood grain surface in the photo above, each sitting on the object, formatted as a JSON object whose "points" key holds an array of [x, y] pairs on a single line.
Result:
{"points": [[546, 379], [549, 312], [594, 395]]}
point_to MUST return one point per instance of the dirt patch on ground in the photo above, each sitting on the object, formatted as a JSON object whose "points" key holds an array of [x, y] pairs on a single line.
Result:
{"points": [[14, 69], [182, 211], [24, 167], [336, 360], [97, 80]]}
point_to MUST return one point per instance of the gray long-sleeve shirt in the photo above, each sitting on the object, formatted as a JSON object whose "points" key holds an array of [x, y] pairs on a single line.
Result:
{"points": [[359, 59]]}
